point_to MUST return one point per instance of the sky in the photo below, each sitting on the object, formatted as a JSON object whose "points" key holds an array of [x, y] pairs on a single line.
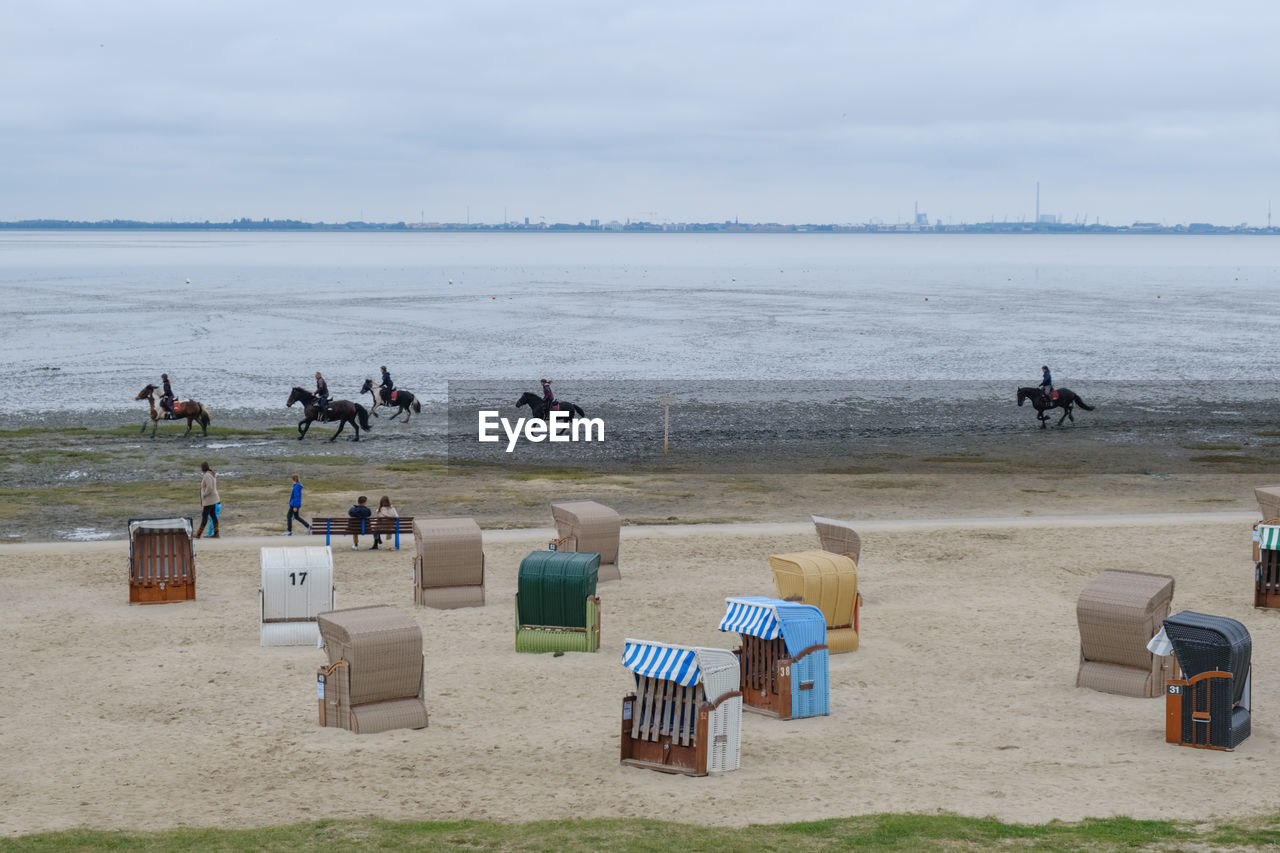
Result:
{"points": [[686, 111]]}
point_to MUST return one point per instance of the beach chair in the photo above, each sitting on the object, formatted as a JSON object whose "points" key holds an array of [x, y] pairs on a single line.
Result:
{"points": [[830, 583], [556, 605], [1266, 563], [162, 561], [685, 715], [1118, 614], [783, 657], [297, 583], [1208, 707], [1268, 498], [586, 526], [376, 673], [838, 537], [448, 571]]}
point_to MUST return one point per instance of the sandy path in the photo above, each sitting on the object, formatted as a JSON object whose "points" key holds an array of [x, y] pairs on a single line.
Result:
{"points": [[961, 698]]}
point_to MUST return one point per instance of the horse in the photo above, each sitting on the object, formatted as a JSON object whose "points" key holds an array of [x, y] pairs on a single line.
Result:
{"points": [[1065, 401], [343, 411], [191, 410], [404, 400], [538, 407]]}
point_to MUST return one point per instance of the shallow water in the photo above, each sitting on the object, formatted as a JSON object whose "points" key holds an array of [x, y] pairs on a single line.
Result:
{"points": [[236, 319]]}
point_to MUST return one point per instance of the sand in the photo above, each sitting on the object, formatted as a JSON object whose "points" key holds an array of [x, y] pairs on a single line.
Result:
{"points": [[961, 698]]}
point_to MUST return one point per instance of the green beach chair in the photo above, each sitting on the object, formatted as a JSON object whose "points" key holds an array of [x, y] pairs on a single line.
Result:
{"points": [[556, 605]]}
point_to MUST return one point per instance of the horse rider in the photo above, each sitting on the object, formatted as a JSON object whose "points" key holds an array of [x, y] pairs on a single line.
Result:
{"points": [[548, 396], [387, 385], [166, 397], [1046, 383], [322, 396]]}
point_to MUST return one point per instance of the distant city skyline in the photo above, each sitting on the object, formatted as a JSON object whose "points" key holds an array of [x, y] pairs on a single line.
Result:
{"points": [[821, 111]]}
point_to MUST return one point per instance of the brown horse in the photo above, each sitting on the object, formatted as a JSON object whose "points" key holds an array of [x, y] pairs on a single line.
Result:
{"points": [[191, 410]]}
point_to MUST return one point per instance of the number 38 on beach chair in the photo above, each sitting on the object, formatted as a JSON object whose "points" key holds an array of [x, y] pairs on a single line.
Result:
{"points": [[685, 715], [783, 657], [556, 605]]}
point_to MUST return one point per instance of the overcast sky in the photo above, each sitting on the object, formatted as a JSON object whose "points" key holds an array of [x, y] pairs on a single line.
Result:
{"points": [[667, 111]]}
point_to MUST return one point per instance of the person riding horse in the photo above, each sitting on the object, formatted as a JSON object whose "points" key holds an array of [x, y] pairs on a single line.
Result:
{"points": [[1046, 382], [387, 385], [166, 397], [322, 396], [548, 396]]}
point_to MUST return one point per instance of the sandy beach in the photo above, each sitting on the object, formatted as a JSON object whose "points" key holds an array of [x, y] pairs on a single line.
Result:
{"points": [[961, 698]]}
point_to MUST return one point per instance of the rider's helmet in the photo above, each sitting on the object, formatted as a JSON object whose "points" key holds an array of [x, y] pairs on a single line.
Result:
{"points": [[1044, 367], [164, 376]]}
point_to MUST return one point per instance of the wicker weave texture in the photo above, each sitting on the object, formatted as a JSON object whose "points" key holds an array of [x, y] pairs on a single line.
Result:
{"points": [[1112, 678], [383, 648], [838, 537], [594, 527], [549, 639], [827, 581], [385, 716], [450, 551], [1118, 614], [1268, 500]]}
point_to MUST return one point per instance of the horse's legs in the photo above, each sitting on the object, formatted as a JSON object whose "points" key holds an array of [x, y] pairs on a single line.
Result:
{"points": [[154, 424], [144, 425], [303, 426], [341, 424]]}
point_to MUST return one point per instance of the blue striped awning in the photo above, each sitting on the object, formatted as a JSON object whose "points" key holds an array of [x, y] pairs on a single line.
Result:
{"points": [[755, 616], [657, 660]]}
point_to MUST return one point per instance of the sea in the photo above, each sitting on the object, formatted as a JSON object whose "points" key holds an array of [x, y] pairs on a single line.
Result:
{"points": [[236, 319]]}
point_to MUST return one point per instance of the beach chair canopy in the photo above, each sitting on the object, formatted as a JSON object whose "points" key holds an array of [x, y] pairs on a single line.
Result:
{"points": [[383, 648], [553, 587], [1118, 614], [838, 537], [801, 626], [297, 584], [1269, 537], [596, 527], [157, 525], [1268, 501], [716, 669], [451, 549], [1204, 643], [825, 580]]}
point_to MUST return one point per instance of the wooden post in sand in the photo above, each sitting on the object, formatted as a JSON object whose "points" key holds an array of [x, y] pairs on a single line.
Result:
{"points": [[666, 401]]}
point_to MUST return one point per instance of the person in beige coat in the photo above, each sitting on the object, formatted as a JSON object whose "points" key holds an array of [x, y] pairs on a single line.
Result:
{"points": [[209, 500]]}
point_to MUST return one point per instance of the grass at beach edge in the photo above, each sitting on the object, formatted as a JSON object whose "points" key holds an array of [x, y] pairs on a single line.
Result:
{"points": [[887, 832]]}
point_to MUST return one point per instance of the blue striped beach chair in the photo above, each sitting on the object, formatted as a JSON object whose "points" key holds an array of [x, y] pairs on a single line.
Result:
{"points": [[685, 715], [783, 659]]}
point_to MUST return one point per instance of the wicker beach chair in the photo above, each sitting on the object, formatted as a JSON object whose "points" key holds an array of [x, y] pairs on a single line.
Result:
{"points": [[376, 673], [1118, 614], [556, 605], [1208, 707], [1268, 501], [830, 583], [1266, 563], [448, 571], [297, 584], [162, 561], [783, 657], [685, 715], [586, 526], [838, 537]]}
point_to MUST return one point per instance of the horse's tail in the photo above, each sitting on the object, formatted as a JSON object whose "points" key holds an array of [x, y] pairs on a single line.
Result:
{"points": [[417, 407], [576, 410], [363, 414], [204, 415], [1082, 404]]}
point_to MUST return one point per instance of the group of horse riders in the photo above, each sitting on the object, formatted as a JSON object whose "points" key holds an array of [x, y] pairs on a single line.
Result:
{"points": [[322, 390]]}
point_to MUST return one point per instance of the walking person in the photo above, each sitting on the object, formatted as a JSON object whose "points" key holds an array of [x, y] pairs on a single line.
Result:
{"points": [[295, 504], [209, 500], [385, 510]]}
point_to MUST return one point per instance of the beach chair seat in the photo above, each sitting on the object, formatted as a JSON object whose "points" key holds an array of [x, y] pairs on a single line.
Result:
{"points": [[376, 673], [557, 609], [586, 526], [162, 561], [1209, 706], [827, 581], [1118, 613], [685, 715], [448, 571]]}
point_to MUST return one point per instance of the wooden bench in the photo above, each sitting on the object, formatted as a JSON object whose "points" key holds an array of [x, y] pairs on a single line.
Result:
{"points": [[330, 527]]}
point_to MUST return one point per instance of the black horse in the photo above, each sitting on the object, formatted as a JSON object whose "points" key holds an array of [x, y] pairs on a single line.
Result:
{"points": [[344, 411], [1065, 401], [403, 402], [539, 408]]}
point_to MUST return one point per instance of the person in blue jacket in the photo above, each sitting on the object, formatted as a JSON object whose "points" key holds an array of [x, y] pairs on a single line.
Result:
{"points": [[360, 510], [1046, 383], [387, 385], [295, 505]]}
